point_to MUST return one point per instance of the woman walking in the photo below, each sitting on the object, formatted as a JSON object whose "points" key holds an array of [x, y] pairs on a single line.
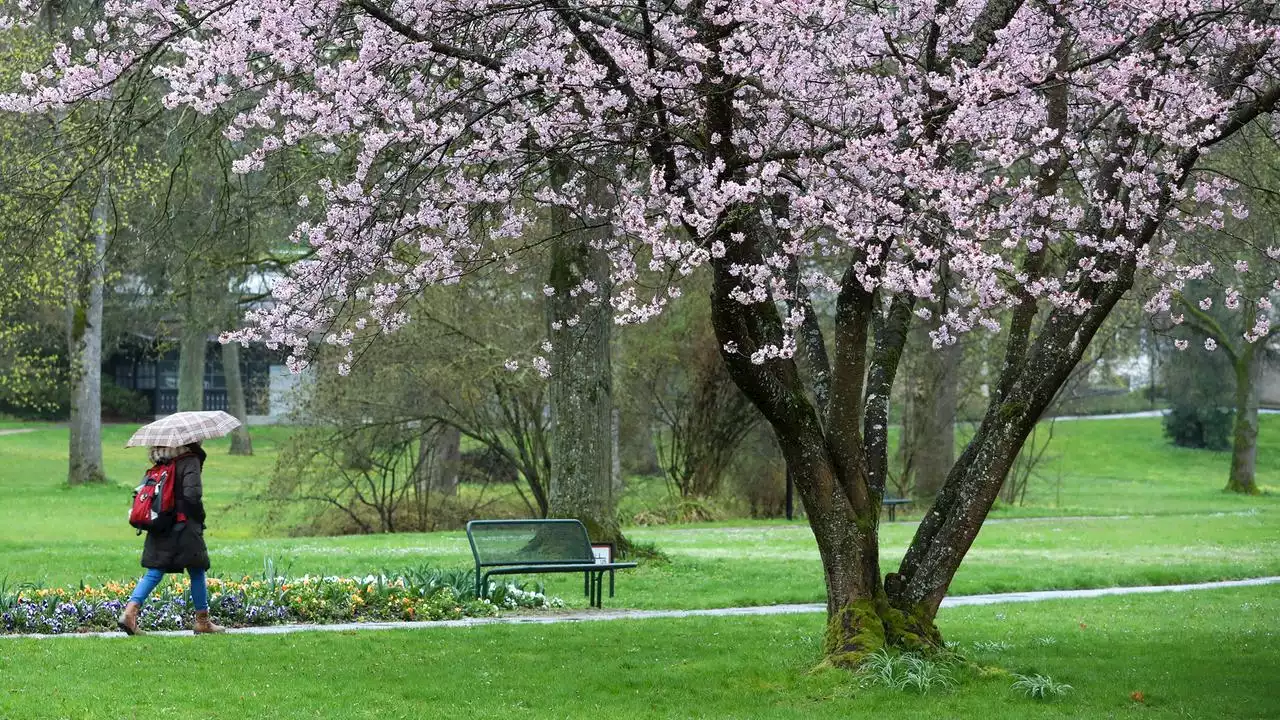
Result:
{"points": [[181, 548]]}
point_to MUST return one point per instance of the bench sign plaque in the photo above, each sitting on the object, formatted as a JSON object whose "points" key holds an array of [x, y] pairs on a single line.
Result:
{"points": [[603, 553]]}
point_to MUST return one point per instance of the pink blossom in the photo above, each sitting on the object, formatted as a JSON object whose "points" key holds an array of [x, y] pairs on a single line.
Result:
{"points": [[447, 119], [1232, 300]]}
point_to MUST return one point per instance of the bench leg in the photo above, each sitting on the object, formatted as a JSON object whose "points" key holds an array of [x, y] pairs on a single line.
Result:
{"points": [[611, 583]]}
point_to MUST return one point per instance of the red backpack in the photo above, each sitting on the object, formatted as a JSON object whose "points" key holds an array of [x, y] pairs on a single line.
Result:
{"points": [[155, 506]]}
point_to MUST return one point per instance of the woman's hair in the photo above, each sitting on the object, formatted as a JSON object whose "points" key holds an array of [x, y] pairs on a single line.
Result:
{"points": [[160, 454]]}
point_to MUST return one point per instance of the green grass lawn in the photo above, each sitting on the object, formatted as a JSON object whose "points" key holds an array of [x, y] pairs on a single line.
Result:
{"points": [[52, 534], [1205, 654], [1211, 654], [757, 564], [1107, 467]]}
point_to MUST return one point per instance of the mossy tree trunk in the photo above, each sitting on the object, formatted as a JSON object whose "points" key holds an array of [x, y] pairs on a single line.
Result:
{"points": [[581, 391], [579, 318], [1244, 447], [838, 458], [84, 341], [192, 349], [241, 442]]}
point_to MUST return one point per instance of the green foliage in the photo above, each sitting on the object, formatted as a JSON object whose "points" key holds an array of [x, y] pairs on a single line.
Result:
{"points": [[11, 593], [1199, 383], [427, 579], [1203, 427], [122, 403], [1040, 687], [907, 671], [991, 646]]}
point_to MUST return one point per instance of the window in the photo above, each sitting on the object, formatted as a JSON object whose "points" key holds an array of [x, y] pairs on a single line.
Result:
{"points": [[167, 373], [213, 377], [146, 376], [124, 375]]}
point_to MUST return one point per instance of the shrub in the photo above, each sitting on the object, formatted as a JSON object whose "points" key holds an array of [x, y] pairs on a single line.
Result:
{"points": [[759, 476], [123, 404], [1207, 428]]}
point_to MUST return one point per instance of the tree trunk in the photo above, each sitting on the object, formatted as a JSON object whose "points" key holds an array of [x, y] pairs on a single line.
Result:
{"points": [[929, 437], [443, 450], [241, 443], [579, 318], [85, 345], [191, 359], [1244, 451], [581, 391], [615, 437]]}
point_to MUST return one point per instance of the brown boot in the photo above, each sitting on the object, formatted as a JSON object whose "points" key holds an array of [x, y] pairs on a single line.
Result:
{"points": [[205, 625], [128, 620]]}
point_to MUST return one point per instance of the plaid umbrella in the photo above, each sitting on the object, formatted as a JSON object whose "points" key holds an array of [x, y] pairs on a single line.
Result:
{"points": [[184, 427]]}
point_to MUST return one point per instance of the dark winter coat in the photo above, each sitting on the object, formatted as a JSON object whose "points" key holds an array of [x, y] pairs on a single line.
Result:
{"points": [[182, 547]]}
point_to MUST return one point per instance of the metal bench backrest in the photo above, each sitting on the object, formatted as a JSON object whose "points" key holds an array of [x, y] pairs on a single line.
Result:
{"points": [[528, 542]]}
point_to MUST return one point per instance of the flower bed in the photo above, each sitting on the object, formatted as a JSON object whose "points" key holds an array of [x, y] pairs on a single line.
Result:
{"points": [[254, 602]]}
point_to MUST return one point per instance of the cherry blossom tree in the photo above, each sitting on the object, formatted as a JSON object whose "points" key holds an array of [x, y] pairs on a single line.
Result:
{"points": [[1234, 313], [1020, 159]]}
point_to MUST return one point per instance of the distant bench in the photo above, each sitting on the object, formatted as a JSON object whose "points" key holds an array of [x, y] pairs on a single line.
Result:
{"points": [[892, 504], [524, 547]]}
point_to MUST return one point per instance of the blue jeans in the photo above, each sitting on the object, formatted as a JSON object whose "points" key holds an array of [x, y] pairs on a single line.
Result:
{"points": [[199, 588]]}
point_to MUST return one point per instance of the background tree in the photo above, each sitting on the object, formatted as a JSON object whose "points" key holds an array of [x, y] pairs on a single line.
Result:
{"points": [[1235, 314]]}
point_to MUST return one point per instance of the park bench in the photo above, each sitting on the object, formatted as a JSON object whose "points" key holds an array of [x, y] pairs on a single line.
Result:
{"points": [[522, 547], [892, 505]]}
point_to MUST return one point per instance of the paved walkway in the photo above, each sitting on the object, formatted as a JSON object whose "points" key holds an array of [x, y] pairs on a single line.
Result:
{"points": [[575, 616], [17, 431]]}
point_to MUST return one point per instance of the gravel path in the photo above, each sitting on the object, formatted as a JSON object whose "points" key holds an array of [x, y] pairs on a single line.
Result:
{"points": [[574, 616]]}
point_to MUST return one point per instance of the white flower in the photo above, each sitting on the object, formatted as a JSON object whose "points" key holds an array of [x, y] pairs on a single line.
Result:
{"points": [[542, 366], [1210, 344]]}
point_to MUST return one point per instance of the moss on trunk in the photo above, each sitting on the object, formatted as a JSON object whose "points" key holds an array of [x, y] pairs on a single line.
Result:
{"points": [[862, 627], [853, 632]]}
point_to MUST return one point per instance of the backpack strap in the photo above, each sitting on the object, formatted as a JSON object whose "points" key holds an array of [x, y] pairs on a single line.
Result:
{"points": [[172, 463]]}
